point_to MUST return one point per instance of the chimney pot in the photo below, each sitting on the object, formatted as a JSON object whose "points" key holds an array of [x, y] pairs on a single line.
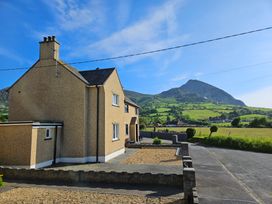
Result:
{"points": [[44, 39], [49, 38], [53, 38]]}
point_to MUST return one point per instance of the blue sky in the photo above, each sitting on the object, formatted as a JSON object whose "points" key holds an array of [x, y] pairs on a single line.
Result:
{"points": [[95, 29]]}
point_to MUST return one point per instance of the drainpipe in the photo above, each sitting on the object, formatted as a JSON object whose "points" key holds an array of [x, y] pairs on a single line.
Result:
{"points": [[97, 124]]}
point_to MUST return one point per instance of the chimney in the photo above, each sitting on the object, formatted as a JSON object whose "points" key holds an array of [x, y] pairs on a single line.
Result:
{"points": [[49, 48]]}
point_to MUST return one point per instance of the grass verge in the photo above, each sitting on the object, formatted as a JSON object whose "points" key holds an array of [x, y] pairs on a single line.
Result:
{"points": [[243, 143]]}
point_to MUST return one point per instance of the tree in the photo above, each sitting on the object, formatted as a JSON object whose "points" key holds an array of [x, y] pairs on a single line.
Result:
{"points": [[213, 128], [190, 132], [236, 122], [143, 122], [168, 120], [258, 122]]}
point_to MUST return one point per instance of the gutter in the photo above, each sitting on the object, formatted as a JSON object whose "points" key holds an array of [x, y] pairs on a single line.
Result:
{"points": [[55, 144], [97, 124]]}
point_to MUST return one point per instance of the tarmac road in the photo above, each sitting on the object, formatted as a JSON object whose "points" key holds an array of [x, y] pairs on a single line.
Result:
{"points": [[232, 176]]}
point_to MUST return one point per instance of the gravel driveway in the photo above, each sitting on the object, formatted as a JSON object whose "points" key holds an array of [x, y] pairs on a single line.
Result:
{"points": [[52, 195]]}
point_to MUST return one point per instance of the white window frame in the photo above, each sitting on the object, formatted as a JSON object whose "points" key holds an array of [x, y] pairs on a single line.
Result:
{"points": [[136, 111], [115, 131], [49, 135], [127, 129], [115, 99]]}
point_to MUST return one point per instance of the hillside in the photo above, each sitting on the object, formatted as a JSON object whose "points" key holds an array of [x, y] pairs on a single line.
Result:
{"points": [[3, 96], [198, 91], [194, 91], [196, 103]]}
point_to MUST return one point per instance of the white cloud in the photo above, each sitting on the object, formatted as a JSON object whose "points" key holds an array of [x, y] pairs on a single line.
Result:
{"points": [[73, 15], [180, 77], [259, 98], [198, 74], [122, 12], [157, 29]]}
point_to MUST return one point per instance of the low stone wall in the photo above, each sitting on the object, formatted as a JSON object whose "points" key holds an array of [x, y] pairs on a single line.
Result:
{"points": [[164, 135], [148, 145], [189, 178], [88, 177]]}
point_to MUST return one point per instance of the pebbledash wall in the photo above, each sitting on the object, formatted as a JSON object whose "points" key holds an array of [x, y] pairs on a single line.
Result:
{"points": [[29, 144], [54, 91]]}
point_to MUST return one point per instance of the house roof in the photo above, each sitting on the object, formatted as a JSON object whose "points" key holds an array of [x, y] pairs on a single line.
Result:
{"points": [[127, 100], [97, 76]]}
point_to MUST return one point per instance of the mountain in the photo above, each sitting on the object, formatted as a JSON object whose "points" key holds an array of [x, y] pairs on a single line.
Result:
{"points": [[3, 96], [139, 97], [194, 91]]}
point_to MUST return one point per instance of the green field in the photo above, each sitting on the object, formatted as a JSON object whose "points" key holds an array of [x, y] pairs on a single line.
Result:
{"points": [[253, 139], [250, 117], [200, 114], [170, 112], [259, 133]]}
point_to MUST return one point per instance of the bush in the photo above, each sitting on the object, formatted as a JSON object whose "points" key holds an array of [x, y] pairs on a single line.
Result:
{"points": [[258, 123], [213, 128], [156, 140], [142, 126], [239, 143], [236, 122], [190, 132]]}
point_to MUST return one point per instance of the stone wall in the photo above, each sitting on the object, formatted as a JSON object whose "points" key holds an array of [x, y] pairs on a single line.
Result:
{"points": [[189, 178], [164, 135], [88, 177], [149, 145]]}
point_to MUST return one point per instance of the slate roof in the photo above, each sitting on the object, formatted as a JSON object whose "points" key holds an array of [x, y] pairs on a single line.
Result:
{"points": [[127, 100], [97, 76]]}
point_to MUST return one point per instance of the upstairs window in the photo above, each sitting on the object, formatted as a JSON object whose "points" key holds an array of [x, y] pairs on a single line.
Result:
{"points": [[115, 129], [137, 111], [126, 108], [115, 100]]}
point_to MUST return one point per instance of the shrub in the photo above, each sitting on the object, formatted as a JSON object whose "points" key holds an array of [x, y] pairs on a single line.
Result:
{"points": [[156, 140], [259, 122], [240, 143], [213, 128], [236, 122], [166, 130], [142, 126], [190, 132]]}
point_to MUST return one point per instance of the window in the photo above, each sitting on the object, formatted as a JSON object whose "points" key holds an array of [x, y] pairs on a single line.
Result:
{"points": [[127, 131], [48, 134], [137, 111], [115, 100], [126, 108], [115, 128]]}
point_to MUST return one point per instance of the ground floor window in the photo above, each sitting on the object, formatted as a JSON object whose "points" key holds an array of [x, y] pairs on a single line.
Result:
{"points": [[127, 130], [48, 134], [115, 128]]}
